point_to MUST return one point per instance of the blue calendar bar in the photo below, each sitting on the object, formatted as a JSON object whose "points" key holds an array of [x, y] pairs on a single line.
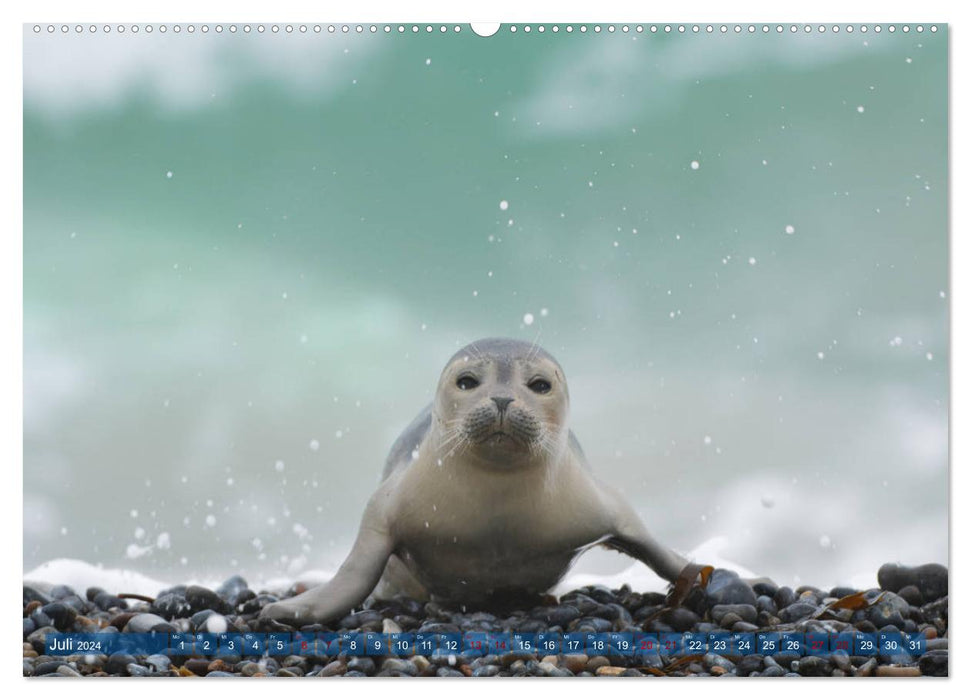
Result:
{"points": [[549, 643], [768, 643], [625, 644], [743, 643], [793, 643], [694, 643], [402, 643], [574, 643], [817, 644], [865, 644], [476, 644], [524, 643], [426, 644]]}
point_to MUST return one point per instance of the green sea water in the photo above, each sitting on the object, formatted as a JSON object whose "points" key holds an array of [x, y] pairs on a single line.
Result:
{"points": [[247, 258]]}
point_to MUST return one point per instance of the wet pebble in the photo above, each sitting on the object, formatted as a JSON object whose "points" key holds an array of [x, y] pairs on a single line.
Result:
{"points": [[362, 664], [930, 579], [934, 663], [147, 622], [62, 616], [171, 606], [117, 664], [727, 588]]}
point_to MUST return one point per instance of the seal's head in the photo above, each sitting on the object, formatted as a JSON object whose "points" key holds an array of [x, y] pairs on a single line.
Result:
{"points": [[504, 401]]}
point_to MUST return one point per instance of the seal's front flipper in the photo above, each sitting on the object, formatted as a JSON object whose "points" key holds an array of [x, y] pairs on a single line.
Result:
{"points": [[631, 537], [352, 583], [667, 563]]}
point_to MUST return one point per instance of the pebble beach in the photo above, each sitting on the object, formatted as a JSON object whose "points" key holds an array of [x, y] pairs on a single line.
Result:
{"points": [[909, 600]]}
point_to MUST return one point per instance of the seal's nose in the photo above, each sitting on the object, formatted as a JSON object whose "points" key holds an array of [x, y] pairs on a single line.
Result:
{"points": [[502, 402]]}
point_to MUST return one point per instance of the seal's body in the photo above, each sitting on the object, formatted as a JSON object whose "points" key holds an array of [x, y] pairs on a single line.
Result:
{"points": [[487, 495]]}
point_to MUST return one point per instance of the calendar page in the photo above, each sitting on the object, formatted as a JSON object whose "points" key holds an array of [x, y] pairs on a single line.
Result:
{"points": [[436, 349]]}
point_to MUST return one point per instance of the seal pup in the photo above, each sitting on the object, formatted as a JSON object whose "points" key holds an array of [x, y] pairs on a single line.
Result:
{"points": [[486, 495]]}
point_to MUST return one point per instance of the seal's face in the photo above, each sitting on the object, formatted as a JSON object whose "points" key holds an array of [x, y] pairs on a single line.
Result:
{"points": [[503, 400]]}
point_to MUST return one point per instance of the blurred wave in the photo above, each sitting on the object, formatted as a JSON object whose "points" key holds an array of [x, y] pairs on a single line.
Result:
{"points": [[246, 259]]}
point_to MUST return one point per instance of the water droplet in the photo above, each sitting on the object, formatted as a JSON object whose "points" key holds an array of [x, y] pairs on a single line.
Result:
{"points": [[695, 165], [790, 229], [528, 319], [503, 205]]}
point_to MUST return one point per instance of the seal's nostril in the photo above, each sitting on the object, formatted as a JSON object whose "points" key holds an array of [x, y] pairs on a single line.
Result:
{"points": [[502, 402]]}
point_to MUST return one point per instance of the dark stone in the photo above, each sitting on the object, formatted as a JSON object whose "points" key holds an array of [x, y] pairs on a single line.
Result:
{"points": [[583, 603], [402, 666], [774, 672], [488, 670], [680, 619], [45, 667], [930, 579], [106, 601], [912, 595], [765, 588], [748, 665], [199, 667], [171, 606], [439, 628], [934, 663], [254, 605], [201, 598], [742, 612], [784, 597], [765, 604], [244, 596], [137, 670], [446, 672], [726, 588], [614, 612], [38, 637], [645, 612], [592, 624], [601, 594], [59, 592], [41, 619], [361, 619], [29, 627], [230, 589], [62, 616], [889, 610], [117, 664], [814, 666], [33, 594], [797, 611], [362, 664]]}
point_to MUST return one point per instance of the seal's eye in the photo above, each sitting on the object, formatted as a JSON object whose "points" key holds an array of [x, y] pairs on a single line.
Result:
{"points": [[540, 386], [466, 382]]}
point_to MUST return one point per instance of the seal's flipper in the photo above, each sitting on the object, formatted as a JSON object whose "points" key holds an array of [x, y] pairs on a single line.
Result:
{"points": [[352, 583], [631, 537]]}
